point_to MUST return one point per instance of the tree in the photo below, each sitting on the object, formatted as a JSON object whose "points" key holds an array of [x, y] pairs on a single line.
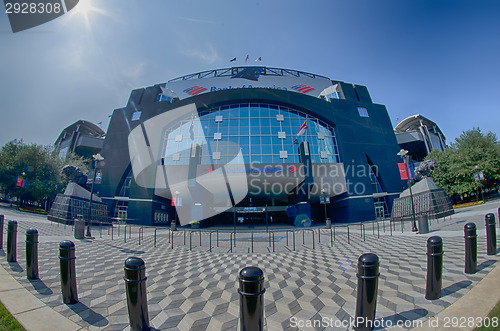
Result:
{"points": [[457, 164], [39, 165]]}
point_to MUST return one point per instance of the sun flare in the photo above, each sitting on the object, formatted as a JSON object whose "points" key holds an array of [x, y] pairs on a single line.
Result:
{"points": [[85, 9]]}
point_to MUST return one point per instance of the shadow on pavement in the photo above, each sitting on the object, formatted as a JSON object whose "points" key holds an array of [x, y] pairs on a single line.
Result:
{"points": [[40, 287], [14, 266], [88, 315], [392, 320], [485, 264], [455, 287]]}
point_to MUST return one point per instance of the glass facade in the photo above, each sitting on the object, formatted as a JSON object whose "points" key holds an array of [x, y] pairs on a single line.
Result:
{"points": [[265, 133]]}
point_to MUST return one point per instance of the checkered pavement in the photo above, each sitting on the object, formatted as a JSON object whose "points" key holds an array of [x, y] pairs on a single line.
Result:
{"points": [[197, 289]]}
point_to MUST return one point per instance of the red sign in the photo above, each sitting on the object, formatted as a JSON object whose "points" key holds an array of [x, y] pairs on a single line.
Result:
{"points": [[403, 171], [176, 202]]}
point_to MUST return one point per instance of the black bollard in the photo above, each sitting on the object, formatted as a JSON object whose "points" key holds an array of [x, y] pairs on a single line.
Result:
{"points": [[251, 292], [135, 286], [2, 217], [434, 268], [32, 254], [491, 234], [366, 299], [68, 273], [12, 241], [470, 248]]}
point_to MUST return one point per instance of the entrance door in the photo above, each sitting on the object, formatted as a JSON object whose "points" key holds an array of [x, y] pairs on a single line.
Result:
{"points": [[122, 214], [379, 210]]}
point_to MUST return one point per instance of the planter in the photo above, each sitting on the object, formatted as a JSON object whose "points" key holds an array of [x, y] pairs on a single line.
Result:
{"points": [[195, 225]]}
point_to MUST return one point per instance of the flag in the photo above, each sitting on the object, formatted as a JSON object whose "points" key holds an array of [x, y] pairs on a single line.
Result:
{"points": [[246, 59], [232, 60], [259, 59], [302, 128], [403, 171]]}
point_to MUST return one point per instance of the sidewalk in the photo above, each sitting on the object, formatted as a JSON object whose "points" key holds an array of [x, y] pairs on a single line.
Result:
{"points": [[197, 289]]}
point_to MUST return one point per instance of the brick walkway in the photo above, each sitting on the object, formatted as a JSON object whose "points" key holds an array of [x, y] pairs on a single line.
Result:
{"points": [[197, 289]]}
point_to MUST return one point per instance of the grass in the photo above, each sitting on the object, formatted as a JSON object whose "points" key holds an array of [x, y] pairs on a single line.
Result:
{"points": [[468, 204], [494, 315], [7, 322]]}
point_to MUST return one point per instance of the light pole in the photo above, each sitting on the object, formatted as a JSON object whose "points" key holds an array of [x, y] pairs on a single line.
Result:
{"points": [[404, 155], [97, 164], [480, 178], [323, 191], [176, 204]]}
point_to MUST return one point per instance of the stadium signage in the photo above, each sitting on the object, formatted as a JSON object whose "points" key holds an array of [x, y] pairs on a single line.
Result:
{"points": [[274, 87]]}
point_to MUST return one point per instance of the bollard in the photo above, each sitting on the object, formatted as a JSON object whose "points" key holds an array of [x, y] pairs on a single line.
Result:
{"points": [[366, 299], [434, 268], [470, 248], [2, 217], [251, 292], [491, 235], [12, 241], [68, 274], [135, 286], [32, 254]]}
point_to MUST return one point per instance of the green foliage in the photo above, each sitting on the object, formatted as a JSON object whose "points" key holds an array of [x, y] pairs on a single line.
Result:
{"points": [[457, 164], [7, 322], [39, 165]]}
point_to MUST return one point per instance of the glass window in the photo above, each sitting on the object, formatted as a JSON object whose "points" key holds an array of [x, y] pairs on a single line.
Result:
{"points": [[267, 149], [363, 112], [267, 159], [235, 128], [244, 140]]}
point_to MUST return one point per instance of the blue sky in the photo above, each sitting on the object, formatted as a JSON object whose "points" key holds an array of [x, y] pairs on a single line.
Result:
{"points": [[437, 58]]}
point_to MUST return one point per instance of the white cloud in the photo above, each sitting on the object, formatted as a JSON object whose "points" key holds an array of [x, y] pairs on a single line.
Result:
{"points": [[208, 54]]}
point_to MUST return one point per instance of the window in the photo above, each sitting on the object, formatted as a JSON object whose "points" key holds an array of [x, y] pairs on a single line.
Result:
{"points": [[363, 112], [136, 115], [161, 98], [263, 132]]}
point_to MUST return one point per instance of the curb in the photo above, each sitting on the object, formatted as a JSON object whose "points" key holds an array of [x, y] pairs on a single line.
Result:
{"points": [[28, 310], [477, 304]]}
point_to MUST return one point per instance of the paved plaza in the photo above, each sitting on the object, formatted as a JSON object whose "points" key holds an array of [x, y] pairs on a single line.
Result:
{"points": [[194, 287]]}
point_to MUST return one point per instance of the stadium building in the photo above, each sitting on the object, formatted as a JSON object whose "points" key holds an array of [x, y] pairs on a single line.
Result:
{"points": [[250, 145]]}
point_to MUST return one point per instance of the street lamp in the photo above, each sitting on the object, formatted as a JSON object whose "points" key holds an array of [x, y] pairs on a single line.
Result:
{"points": [[406, 158], [97, 164], [323, 191], [176, 204], [479, 177]]}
